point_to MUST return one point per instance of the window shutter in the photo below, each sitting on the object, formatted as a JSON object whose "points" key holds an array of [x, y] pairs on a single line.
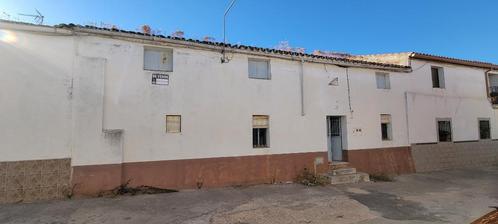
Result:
{"points": [[173, 123], [259, 69], [382, 80], [435, 77], [441, 78], [385, 118], [158, 59], [260, 121]]}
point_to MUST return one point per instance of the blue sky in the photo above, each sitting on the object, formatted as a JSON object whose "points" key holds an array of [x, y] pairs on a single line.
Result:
{"points": [[455, 28]]}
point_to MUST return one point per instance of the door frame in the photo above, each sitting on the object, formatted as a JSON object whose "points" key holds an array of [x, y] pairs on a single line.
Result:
{"points": [[330, 149]]}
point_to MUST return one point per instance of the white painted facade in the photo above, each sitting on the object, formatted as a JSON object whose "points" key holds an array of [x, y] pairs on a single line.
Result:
{"points": [[88, 98]]}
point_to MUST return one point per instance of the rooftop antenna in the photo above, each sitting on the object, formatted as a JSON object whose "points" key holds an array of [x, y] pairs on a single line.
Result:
{"points": [[38, 18], [6, 15], [224, 59]]}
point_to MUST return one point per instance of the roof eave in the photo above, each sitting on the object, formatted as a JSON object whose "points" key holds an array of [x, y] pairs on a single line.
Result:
{"points": [[156, 40], [428, 57], [71, 29]]}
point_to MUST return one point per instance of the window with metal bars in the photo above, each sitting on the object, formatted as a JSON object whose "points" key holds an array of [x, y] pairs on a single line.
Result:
{"points": [[484, 129], [444, 130], [260, 129], [334, 126]]}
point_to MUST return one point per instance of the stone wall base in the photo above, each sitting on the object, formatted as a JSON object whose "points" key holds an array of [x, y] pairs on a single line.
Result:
{"points": [[34, 180], [442, 156]]}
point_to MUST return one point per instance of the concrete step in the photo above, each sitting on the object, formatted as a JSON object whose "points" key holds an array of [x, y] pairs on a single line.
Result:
{"points": [[348, 178], [338, 165], [342, 171]]}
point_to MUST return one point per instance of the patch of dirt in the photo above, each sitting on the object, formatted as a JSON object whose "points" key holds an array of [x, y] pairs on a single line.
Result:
{"points": [[338, 209]]}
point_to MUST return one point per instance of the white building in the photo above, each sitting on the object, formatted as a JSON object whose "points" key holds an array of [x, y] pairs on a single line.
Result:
{"points": [[107, 107]]}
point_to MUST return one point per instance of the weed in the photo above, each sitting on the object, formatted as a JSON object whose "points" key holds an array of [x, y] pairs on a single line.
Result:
{"points": [[310, 179], [381, 177]]}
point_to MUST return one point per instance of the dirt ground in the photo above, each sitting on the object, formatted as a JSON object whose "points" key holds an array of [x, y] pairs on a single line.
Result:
{"points": [[458, 196]]}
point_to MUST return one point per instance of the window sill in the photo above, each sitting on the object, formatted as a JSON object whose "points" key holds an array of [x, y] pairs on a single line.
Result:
{"points": [[260, 78], [260, 147], [147, 70]]}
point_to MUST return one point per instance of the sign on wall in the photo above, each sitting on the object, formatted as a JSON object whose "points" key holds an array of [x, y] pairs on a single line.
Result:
{"points": [[160, 79]]}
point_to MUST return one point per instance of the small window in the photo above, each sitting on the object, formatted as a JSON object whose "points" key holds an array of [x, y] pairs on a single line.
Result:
{"points": [[382, 80], [260, 127], [437, 77], [386, 127], [484, 129], [158, 59], [444, 130], [173, 123], [259, 68]]}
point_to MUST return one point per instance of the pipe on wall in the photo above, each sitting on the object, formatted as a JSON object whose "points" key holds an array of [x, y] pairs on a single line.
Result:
{"points": [[301, 82], [349, 91]]}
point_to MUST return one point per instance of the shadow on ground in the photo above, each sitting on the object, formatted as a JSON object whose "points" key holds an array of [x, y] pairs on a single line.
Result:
{"points": [[393, 207]]}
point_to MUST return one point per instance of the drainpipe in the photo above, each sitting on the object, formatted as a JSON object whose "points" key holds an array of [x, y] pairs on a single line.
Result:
{"points": [[301, 82], [349, 92], [407, 119], [486, 78]]}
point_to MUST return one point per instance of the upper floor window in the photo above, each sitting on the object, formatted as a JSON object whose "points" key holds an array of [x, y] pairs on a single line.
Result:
{"points": [[382, 80], [493, 87], [259, 68], [484, 129], [437, 77], [444, 130], [158, 59]]}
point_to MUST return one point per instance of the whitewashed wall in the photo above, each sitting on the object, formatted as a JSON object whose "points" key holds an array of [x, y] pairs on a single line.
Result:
{"points": [[114, 113], [216, 102], [35, 96], [463, 99], [368, 103]]}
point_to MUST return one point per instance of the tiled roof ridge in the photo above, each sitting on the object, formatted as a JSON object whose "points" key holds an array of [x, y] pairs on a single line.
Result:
{"points": [[422, 55], [353, 59], [236, 46]]}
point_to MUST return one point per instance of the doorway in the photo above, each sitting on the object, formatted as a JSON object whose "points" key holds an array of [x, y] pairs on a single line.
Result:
{"points": [[334, 137]]}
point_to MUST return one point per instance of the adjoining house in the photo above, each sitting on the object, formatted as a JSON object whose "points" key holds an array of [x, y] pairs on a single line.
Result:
{"points": [[86, 109]]}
